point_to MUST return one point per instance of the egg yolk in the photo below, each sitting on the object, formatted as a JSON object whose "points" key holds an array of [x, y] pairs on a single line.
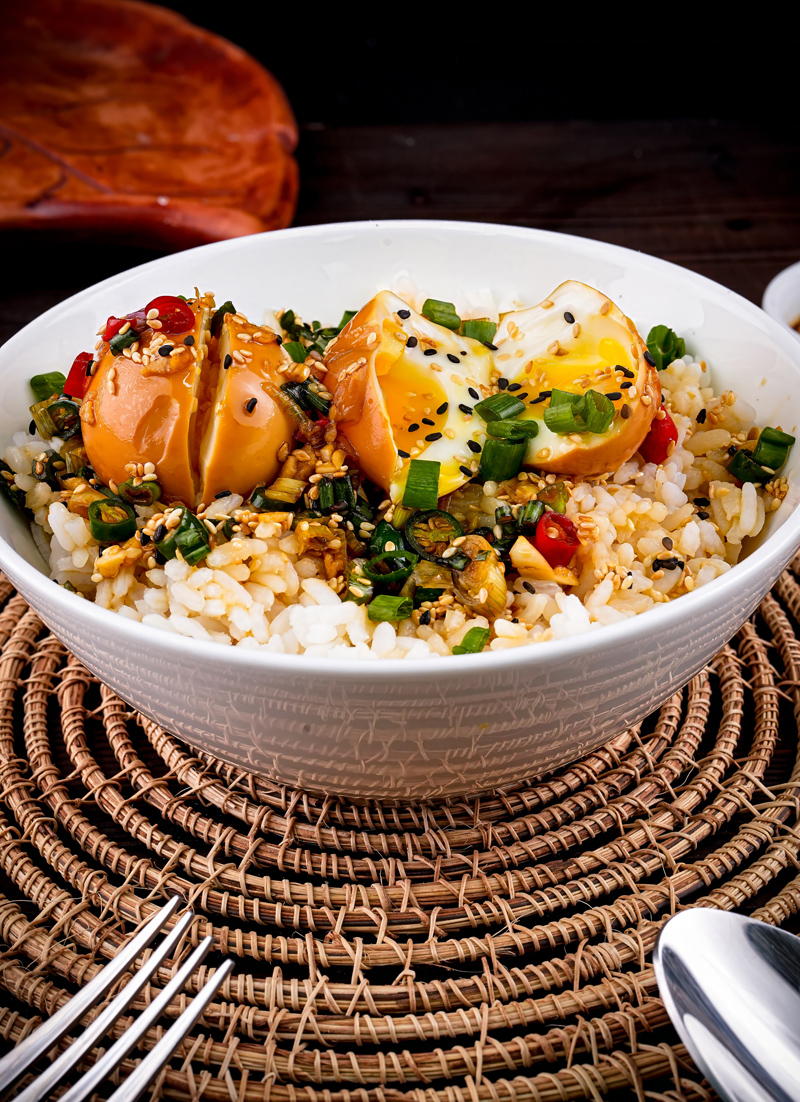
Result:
{"points": [[413, 401]]}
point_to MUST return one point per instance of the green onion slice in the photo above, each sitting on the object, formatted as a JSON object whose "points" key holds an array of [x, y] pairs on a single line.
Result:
{"points": [[190, 538], [598, 411], [500, 407], [442, 313], [359, 588], [111, 520], [426, 593], [565, 413], [665, 346], [430, 532], [513, 430], [327, 495], [473, 642], [389, 567], [45, 386], [528, 516], [479, 329], [296, 350], [383, 535], [123, 340], [11, 491], [146, 493], [501, 459], [219, 317], [347, 317], [745, 468], [422, 484], [282, 496], [555, 497], [389, 609], [772, 448]]}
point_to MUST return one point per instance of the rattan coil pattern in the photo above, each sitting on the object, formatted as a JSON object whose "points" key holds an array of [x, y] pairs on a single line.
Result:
{"points": [[492, 948]]}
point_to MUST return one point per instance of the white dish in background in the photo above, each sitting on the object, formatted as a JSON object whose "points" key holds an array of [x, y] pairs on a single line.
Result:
{"points": [[782, 298], [415, 728]]}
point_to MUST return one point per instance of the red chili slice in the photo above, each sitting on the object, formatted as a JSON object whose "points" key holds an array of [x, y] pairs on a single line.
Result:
{"points": [[655, 447], [78, 381], [113, 326], [557, 549], [175, 315]]}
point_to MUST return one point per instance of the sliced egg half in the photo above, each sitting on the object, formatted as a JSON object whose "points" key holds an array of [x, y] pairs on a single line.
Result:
{"points": [[404, 388], [577, 340]]}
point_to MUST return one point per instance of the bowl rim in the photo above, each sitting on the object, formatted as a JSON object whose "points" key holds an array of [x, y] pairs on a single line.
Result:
{"points": [[788, 275], [781, 544]]}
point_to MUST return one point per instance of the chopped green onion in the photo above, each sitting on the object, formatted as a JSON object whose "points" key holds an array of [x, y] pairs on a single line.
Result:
{"points": [[190, 538], [359, 588], [219, 317], [459, 561], [513, 430], [501, 459], [401, 515], [425, 593], [555, 497], [111, 520], [422, 484], [45, 386], [430, 532], [10, 490], [399, 564], [598, 411], [565, 413], [473, 642], [442, 313], [744, 467], [772, 448], [528, 516], [347, 316], [296, 350], [74, 455], [123, 340], [383, 534], [479, 329], [146, 493], [282, 496], [500, 407], [665, 346], [387, 609]]}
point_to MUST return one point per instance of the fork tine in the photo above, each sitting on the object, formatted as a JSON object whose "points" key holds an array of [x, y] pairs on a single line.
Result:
{"points": [[120, 1049], [50, 1032], [98, 1029], [142, 1076]]}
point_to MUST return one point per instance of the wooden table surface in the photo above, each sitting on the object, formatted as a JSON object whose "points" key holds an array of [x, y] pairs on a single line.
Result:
{"points": [[722, 198]]}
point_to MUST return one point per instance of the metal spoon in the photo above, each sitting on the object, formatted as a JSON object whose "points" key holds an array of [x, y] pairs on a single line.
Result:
{"points": [[731, 986]]}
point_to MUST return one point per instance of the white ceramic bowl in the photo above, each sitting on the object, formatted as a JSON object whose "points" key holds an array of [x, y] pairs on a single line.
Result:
{"points": [[782, 298], [401, 729]]}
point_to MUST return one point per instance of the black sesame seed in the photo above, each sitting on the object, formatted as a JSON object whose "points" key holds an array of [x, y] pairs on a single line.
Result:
{"points": [[414, 427], [462, 353], [502, 383], [732, 450], [614, 395], [473, 393], [425, 618], [514, 620], [649, 359], [160, 559], [672, 563], [433, 436], [159, 533], [188, 340], [251, 404], [531, 588], [702, 502], [279, 340], [427, 421], [701, 417], [442, 409], [222, 493], [702, 514], [569, 318], [667, 543], [523, 397], [144, 539], [625, 412], [428, 351], [412, 342], [453, 359], [626, 371], [542, 397], [473, 445], [404, 314], [227, 362], [514, 386], [89, 367], [465, 470], [465, 408], [402, 454], [32, 428], [165, 349], [625, 386], [490, 346]]}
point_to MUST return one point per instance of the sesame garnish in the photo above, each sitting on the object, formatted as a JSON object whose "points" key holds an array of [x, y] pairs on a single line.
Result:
{"points": [[414, 427], [702, 514], [473, 446], [626, 371], [625, 412], [251, 404], [605, 307], [614, 395], [465, 471], [412, 342], [227, 362], [428, 351], [489, 345], [542, 397], [546, 304], [433, 436], [667, 543], [502, 383], [165, 349], [404, 314], [465, 408], [160, 532], [569, 318], [427, 421], [442, 408], [402, 454], [473, 393], [514, 386], [649, 359], [701, 417], [453, 359], [625, 386]]}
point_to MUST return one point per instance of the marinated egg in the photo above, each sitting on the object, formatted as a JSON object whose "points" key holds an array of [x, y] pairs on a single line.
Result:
{"points": [[404, 388]]}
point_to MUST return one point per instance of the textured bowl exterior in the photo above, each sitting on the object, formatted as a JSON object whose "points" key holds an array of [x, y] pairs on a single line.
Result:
{"points": [[400, 729]]}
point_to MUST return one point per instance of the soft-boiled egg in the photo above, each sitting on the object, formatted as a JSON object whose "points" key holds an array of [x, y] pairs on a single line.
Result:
{"points": [[577, 340], [404, 388], [206, 412]]}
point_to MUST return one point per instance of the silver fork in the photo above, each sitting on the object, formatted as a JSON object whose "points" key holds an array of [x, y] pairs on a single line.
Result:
{"points": [[27, 1052]]}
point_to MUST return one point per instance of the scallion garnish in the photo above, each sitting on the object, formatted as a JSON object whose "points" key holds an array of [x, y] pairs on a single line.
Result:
{"points": [[772, 449], [555, 497], [479, 329], [473, 642], [745, 468], [664, 346], [123, 340], [513, 429], [563, 415], [597, 411], [441, 313], [500, 407], [501, 459], [528, 516], [359, 588], [296, 350], [45, 386], [219, 317], [111, 520], [282, 496], [327, 495], [422, 484], [385, 533], [424, 593], [190, 537], [386, 609], [347, 316]]}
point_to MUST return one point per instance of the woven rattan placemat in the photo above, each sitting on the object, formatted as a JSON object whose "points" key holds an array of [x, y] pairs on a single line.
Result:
{"points": [[493, 948]]}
